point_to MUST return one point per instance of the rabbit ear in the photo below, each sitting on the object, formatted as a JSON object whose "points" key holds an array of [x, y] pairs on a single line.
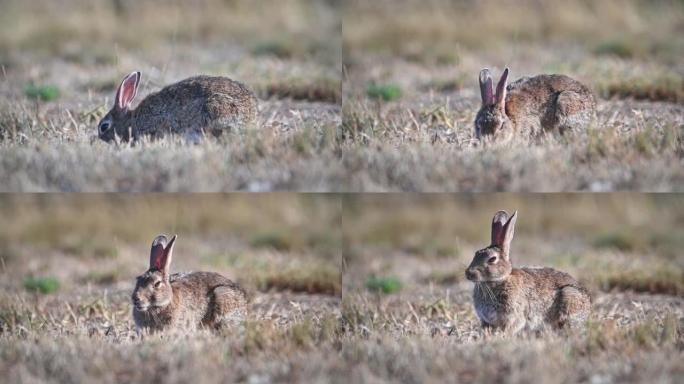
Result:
{"points": [[127, 90], [486, 87], [501, 89], [508, 231], [161, 254], [168, 255], [497, 228], [157, 253]]}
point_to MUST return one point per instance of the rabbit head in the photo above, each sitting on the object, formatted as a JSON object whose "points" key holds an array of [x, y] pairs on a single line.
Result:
{"points": [[117, 121], [493, 263], [491, 118], [152, 288]]}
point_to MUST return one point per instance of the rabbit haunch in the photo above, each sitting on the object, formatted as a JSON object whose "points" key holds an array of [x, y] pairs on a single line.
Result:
{"points": [[183, 300], [532, 105], [513, 299], [197, 105]]}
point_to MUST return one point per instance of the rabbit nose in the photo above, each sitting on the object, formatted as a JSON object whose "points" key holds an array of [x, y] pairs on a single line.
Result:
{"points": [[470, 274]]}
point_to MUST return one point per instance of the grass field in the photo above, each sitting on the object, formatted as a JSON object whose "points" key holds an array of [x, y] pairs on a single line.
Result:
{"points": [[411, 94], [407, 308], [68, 265], [61, 62]]}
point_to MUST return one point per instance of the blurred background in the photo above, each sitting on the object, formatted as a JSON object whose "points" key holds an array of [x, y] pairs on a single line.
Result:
{"points": [[610, 42], [617, 241], [72, 244], [83, 47]]}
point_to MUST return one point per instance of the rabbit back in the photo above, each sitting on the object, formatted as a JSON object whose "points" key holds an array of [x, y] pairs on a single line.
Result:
{"points": [[549, 103], [209, 298], [197, 104], [555, 297]]}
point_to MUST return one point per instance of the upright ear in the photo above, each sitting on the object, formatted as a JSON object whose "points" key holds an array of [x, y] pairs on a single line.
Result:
{"points": [[486, 87], [497, 227], [127, 90], [161, 254], [508, 231], [168, 255], [157, 253], [501, 89]]}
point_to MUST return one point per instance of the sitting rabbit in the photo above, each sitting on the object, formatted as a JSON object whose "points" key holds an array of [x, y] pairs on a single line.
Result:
{"points": [[191, 107], [183, 300], [512, 299]]}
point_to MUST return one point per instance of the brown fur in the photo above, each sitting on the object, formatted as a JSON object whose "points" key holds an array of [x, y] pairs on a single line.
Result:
{"points": [[184, 300], [194, 106], [513, 299], [533, 105]]}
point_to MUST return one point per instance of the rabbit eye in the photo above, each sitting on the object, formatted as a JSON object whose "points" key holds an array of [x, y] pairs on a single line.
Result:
{"points": [[492, 260], [104, 126], [157, 284]]}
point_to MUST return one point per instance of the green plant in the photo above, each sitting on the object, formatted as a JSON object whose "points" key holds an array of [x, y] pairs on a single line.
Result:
{"points": [[385, 285], [43, 285], [386, 92], [42, 92]]}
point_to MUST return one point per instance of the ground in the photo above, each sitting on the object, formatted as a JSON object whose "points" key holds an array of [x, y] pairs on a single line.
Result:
{"points": [[60, 73], [411, 95], [407, 307]]}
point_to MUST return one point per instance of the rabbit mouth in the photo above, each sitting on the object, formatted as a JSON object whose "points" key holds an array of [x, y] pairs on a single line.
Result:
{"points": [[479, 278], [473, 276], [142, 307]]}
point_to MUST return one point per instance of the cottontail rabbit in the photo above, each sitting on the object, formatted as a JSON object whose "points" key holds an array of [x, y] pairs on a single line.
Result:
{"points": [[191, 107], [533, 105], [183, 300], [512, 299]]}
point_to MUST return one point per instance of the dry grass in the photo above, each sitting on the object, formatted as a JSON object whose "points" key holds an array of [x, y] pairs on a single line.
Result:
{"points": [[59, 74], [89, 337], [434, 337], [428, 330], [423, 140]]}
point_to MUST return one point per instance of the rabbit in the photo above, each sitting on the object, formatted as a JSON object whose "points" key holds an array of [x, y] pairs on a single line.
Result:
{"points": [[183, 300], [192, 107], [532, 106], [531, 298]]}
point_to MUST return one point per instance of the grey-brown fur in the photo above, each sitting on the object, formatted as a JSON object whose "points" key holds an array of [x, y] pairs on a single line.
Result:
{"points": [[191, 107], [512, 299], [533, 105], [184, 301]]}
